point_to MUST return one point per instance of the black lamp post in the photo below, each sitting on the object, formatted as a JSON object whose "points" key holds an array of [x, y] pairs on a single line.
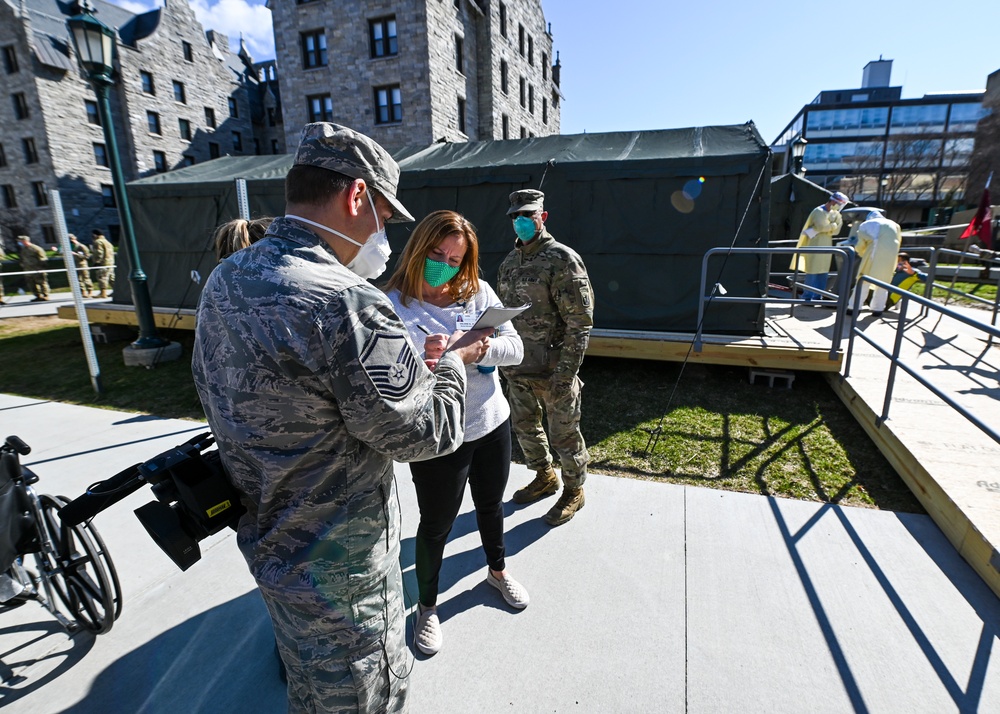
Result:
{"points": [[798, 153], [94, 43]]}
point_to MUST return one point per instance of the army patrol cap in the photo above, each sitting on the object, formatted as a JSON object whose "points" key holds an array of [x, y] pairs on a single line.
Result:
{"points": [[527, 200], [348, 152]]}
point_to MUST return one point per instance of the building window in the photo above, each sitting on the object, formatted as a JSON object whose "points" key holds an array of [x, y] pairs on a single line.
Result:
{"points": [[545, 66], [382, 35], [49, 235], [458, 54], [531, 99], [187, 160], [9, 197], [179, 95], [503, 20], [320, 107], [41, 196], [147, 82], [108, 195], [188, 54], [313, 49], [237, 141], [234, 108], [20, 105], [503, 76], [210, 117], [93, 117], [256, 146], [524, 86], [388, 105], [461, 115], [10, 59], [531, 50], [101, 155], [153, 122], [3, 157], [274, 146], [524, 133], [159, 161], [545, 110], [520, 39], [30, 152], [185, 129], [271, 117], [213, 150], [505, 127]]}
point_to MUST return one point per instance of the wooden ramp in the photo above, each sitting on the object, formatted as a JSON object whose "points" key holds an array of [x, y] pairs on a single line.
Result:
{"points": [[108, 313], [949, 463]]}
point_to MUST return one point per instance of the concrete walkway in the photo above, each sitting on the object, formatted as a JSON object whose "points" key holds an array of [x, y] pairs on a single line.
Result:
{"points": [[655, 598]]}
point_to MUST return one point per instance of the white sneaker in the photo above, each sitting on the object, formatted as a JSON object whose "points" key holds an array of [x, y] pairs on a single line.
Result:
{"points": [[427, 633], [513, 592]]}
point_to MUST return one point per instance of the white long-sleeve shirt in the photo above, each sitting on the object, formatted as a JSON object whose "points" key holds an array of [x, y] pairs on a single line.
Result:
{"points": [[486, 407]]}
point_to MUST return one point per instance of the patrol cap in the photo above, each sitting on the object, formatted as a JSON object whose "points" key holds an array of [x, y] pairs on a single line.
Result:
{"points": [[351, 153], [22, 237], [527, 199]]}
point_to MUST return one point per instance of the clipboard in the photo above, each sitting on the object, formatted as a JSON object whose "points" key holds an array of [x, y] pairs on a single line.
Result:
{"points": [[496, 316]]}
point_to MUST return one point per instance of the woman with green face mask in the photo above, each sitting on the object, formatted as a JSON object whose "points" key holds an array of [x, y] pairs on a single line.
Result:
{"points": [[436, 289]]}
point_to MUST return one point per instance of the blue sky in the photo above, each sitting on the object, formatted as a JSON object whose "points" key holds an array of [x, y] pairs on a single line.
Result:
{"points": [[660, 64]]}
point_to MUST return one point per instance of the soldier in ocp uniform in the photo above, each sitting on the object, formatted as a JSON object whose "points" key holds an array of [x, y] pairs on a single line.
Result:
{"points": [[33, 258], [104, 257], [81, 254], [555, 332], [312, 387]]}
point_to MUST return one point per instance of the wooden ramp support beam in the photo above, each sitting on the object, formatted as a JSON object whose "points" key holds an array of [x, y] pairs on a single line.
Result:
{"points": [[106, 313]]}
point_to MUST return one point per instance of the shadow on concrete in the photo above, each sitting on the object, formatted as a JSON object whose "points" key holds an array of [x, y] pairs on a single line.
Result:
{"points": [[14, 686], [201, 665]]}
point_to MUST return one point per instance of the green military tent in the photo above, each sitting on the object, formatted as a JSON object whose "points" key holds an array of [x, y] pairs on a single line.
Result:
{"points": [[640, 207]]}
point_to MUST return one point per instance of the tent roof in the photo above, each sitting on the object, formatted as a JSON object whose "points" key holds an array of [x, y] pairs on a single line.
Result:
{"points": [[612, 154]]}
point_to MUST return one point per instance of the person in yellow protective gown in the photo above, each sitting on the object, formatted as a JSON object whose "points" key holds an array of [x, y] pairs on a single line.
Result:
{"points": [[823, 223], [878, 248]]}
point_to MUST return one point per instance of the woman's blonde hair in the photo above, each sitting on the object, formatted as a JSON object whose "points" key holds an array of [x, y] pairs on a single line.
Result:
{"points": [[408, 277], [237, 234]]}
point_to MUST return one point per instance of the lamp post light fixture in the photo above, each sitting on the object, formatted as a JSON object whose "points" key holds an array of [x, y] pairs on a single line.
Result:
{"points": [[94, 43], [798, 153]]}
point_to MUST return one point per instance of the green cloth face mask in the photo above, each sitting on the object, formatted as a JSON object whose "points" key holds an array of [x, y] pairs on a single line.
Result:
{"points": [[437, 273]]}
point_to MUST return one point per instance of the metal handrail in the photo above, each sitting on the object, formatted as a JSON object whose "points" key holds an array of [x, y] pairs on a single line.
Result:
{"points": [[906, 297], [838, 299]]}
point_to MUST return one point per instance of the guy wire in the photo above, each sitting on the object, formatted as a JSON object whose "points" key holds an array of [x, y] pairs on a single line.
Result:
{"points": [[654, 434]]}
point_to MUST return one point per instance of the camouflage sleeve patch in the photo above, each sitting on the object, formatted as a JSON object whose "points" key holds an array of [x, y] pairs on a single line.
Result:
{"points": [[390, 364]]}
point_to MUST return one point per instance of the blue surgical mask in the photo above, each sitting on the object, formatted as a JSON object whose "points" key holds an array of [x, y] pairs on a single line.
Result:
{"points": [[525, 228], [437, 273]]}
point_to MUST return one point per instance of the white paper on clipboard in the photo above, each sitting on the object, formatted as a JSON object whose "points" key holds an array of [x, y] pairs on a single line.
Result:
{"points": [[496, 316]]}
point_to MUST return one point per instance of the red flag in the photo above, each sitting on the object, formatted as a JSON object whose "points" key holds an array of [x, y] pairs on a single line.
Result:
{"points": [[982, 223]]}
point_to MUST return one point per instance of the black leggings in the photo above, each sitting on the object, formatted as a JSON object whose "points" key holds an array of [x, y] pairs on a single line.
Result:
{"points": [[440, 485]]}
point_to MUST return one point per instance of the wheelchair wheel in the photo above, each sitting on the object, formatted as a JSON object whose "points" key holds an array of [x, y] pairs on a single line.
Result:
{"points": [[105, 556], [75, 568]]}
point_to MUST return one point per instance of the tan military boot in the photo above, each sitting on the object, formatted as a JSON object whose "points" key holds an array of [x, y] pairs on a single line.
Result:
{"points": [[544, 484], [566, 507], [103, 294]]}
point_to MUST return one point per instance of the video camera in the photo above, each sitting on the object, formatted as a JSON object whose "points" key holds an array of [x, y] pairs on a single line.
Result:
{"points": [[194, 498]]}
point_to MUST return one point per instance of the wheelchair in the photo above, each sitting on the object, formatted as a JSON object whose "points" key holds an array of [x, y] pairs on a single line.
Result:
{"points": [[67, 569]]}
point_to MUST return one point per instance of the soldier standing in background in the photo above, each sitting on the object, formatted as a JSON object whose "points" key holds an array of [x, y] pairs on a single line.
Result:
{"points": [[555, 332], [81, 254], [312, 388], [33, 257], [104, 257]]}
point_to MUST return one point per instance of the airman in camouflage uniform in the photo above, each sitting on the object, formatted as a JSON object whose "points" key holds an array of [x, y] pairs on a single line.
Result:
{"points": [[33, 258], [555, 332], [81, 254], [103, 255], [312, 387]]}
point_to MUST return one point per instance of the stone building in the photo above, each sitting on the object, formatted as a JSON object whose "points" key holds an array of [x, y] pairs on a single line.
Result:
{"points": [[418, 71], [181, 97]]}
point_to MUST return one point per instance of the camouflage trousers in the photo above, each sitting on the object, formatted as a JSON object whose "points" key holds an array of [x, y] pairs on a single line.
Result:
{"points": [[83, 275], [39, 284], [334, 666], [105, 278], [528, 397]]}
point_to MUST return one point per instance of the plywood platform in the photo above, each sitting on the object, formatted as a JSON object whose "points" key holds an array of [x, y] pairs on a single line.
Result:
{"points": [[107, 313]]}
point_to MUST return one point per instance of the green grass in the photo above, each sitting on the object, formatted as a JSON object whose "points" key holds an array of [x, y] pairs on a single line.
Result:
{"points": [[719, 431]]}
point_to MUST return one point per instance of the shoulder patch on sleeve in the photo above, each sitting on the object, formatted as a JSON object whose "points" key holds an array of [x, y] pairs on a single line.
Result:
{"points": [[390, 364]]}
